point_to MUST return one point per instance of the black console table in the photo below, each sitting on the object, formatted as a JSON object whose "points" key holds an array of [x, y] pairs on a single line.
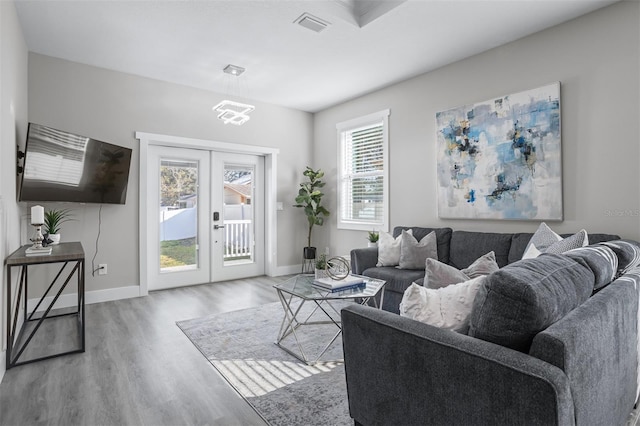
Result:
{"points": [[66, 253]]}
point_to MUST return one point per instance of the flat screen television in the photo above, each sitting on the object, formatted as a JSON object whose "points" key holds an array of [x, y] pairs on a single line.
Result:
{"points": [[63, 166]]}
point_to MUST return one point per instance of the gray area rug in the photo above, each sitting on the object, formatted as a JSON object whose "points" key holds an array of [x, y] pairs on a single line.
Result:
{"points": [[282, 389]]}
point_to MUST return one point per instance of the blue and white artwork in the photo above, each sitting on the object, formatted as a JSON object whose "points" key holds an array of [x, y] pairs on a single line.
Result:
{"points": [[501, 159]]}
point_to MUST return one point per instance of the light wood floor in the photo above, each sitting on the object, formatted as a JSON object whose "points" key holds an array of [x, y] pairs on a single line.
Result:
{"points": [[138, 368]]}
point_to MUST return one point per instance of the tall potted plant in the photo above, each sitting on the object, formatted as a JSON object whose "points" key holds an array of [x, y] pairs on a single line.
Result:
{"points": [[309, 198]]}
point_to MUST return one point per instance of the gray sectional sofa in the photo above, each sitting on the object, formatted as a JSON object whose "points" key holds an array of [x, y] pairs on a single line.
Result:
{"points": [[456, 248], [552, 340]]}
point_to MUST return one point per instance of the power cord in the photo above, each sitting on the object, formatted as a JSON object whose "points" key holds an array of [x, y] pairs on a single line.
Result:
{"points": [[93, 264]]}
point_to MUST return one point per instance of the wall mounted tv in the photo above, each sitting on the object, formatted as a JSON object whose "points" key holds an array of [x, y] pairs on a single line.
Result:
{"points": [[62, 166]]}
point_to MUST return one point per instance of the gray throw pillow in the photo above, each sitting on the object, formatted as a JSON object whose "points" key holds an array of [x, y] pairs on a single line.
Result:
{"points": [[413, 254], [484, 265], [438, 274]]}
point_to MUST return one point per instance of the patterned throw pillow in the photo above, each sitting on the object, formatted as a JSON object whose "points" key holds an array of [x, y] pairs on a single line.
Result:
{"points": [[389, 249], [413, 254], [602, 261], [628, 253], [544, 240], [447, 307]]}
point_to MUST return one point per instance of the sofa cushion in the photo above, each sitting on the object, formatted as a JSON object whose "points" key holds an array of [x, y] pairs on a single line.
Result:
{"points": [[414, 253], [519, 242], [524, 298], [467, 246], [602, 261], [443, 236], [397, 279], [447, 307]]}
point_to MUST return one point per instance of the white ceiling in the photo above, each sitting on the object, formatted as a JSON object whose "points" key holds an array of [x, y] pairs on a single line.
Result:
{"points": [[369, 44]]}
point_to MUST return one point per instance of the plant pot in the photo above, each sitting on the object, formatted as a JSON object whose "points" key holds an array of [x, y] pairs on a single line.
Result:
{"points": [[55, 238], [321, 273], [309, 252], [370, 244]]}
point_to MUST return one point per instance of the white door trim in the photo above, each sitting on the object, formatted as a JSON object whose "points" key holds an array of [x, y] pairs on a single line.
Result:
{"points": [[270, 175]]}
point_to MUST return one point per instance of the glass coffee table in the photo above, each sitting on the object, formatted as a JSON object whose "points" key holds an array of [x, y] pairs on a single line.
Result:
{"points": [[297, 291]]}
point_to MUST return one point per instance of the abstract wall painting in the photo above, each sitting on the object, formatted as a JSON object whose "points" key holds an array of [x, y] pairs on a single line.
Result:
{"points": [[501, 159]]}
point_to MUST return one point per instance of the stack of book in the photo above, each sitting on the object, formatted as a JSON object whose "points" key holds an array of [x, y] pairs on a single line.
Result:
{"points": [[348, 283], [42, 251]]}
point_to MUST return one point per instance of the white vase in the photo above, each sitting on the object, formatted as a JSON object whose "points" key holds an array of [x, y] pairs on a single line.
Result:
{"points": [[370, 244], [55, 238], [320, 273]]}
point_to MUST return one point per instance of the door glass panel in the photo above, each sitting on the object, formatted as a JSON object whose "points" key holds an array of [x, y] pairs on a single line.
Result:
{"points": [[178, 215], [238, 214]]}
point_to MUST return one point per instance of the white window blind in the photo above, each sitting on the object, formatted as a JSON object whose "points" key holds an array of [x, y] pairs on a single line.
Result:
{"points": [[363, 180]]}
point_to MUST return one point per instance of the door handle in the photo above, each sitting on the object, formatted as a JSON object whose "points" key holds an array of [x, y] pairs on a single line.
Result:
{"points": [[218, 226]]}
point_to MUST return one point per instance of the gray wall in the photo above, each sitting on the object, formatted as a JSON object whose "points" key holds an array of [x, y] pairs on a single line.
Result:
{"points": [[13, 125], [596, 59], [111, 106]]}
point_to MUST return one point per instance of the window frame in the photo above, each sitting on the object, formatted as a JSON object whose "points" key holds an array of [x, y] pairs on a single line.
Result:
{"points": [[352, 125]]}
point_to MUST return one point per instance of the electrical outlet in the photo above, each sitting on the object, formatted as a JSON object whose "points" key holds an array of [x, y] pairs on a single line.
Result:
{"points": [[102, 269]]}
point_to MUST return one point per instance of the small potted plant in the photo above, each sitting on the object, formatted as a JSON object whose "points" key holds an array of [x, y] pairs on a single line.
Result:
{"points": [[373, 238], [53, 219], [321, 266]]}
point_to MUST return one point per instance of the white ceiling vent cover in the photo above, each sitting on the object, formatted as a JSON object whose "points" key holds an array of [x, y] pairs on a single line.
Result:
{"points": [[311, 22]]}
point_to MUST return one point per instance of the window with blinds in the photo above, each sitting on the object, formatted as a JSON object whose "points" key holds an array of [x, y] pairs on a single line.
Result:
{"points": [[363, 178]]}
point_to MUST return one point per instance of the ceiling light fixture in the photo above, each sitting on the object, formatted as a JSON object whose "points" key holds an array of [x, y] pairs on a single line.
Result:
{"points": [[233, 70], [232, 111]]}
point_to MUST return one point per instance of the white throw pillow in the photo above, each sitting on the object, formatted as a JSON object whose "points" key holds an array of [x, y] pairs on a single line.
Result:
{"points": [[544, 240], [447, 307], [389, 249], [413, 253]]}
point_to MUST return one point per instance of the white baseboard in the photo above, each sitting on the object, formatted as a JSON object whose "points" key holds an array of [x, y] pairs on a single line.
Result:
{"points": [[287, 270], [95, 296], [3, 364]]}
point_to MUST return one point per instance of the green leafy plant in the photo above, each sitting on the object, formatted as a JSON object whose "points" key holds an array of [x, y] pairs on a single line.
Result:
{"points": [[373, 236], [321, 262], [53, 219], [309, 198]]}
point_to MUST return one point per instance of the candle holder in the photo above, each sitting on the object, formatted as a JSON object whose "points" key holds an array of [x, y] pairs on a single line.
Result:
{"points": [[38, 238]]}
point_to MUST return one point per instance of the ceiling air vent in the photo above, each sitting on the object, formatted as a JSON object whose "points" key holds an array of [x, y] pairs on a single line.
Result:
{"points": [[311, 22]]}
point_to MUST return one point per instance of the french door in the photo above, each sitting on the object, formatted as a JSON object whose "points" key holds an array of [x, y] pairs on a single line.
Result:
{"points": [[238, 216], [205, 216]]}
